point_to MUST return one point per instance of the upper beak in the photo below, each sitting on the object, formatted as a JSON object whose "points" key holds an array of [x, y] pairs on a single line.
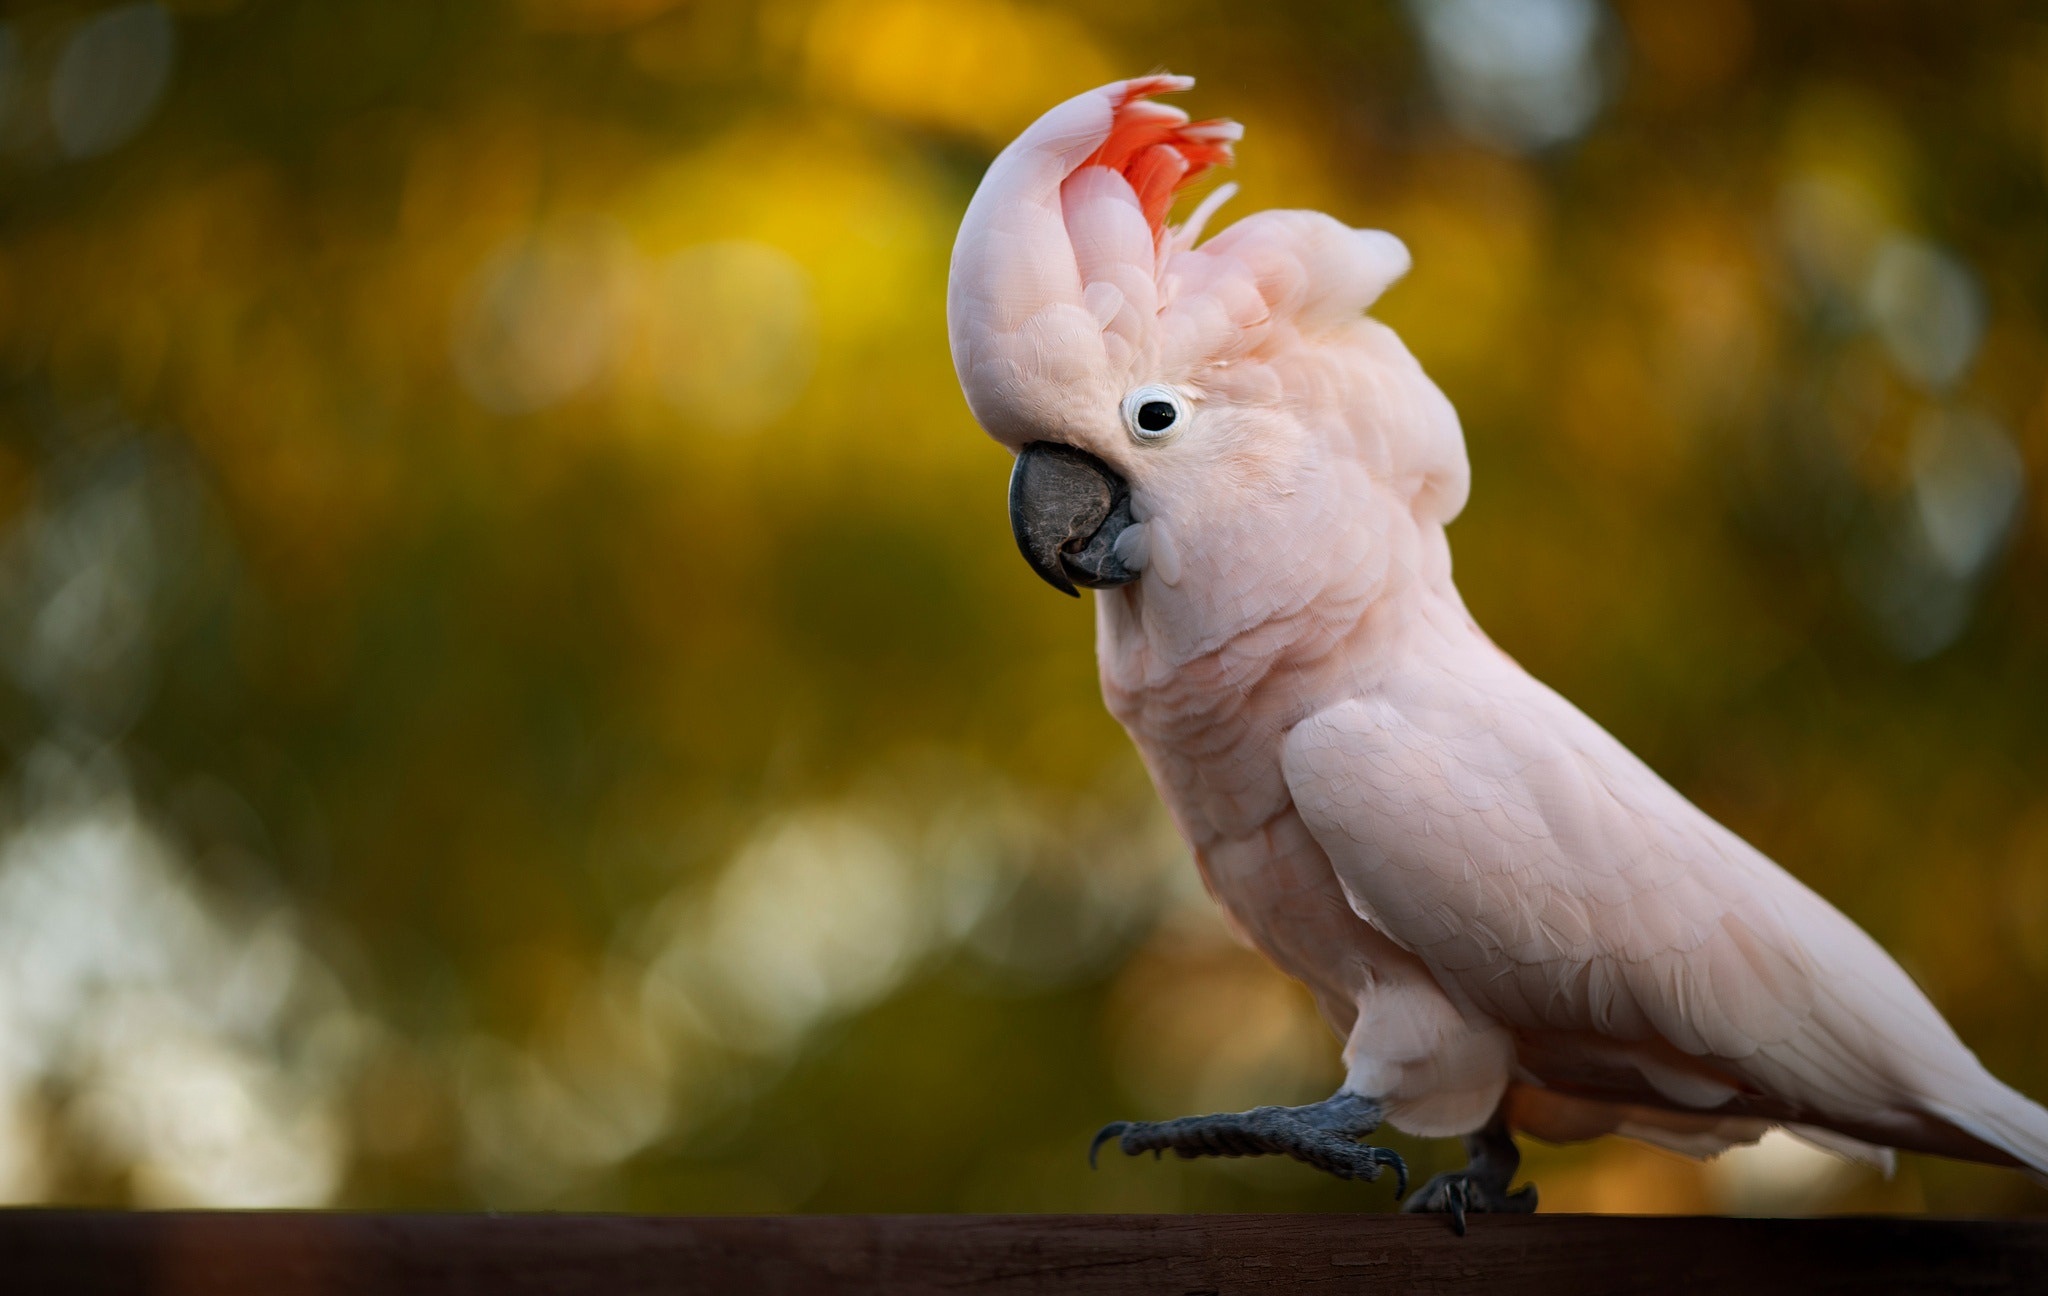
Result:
{"points": [[1067, 508]]}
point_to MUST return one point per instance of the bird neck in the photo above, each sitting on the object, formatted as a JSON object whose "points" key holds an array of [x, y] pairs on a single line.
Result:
{"points": [[1365, 591]]}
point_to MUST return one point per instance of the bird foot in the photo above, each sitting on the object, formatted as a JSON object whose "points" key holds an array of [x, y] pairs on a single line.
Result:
{"points": [[1472, 1190], [1324, 1135]]}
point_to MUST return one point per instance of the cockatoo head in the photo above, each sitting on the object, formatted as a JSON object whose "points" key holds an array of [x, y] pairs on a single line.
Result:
{"points": [[1173, 404]]}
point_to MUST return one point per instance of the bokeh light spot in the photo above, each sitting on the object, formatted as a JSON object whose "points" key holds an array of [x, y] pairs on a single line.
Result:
{"points": [[981, 67], [734, 333], [109, 77], [1968, 484], [541, 317], [1777, 1175], [1928, 309], [1521, 73]]}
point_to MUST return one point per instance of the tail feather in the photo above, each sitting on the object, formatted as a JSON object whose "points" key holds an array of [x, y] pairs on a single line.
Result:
{"points": [[1874, 1155], [2005, 1119]]}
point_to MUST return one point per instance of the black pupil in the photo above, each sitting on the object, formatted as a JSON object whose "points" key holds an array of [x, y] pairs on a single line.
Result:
{"points": [[1155, 416]]}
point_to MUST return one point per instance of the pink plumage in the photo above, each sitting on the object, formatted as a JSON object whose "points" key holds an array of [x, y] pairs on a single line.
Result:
{"points": [[1512, 922]]}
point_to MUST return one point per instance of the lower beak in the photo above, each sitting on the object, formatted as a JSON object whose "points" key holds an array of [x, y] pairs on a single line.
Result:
{"points": [[1067, 508]]}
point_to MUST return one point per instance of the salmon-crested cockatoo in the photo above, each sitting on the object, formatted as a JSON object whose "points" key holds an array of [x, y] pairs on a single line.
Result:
{"points": [[1512, 922]]}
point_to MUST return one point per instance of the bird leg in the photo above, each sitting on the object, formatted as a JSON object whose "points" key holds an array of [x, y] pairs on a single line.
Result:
{"points": [[1324, 1135], [1480, 1186]]}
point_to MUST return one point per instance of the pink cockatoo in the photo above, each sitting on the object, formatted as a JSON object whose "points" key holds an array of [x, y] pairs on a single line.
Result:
{"points": [[1510, 920]]}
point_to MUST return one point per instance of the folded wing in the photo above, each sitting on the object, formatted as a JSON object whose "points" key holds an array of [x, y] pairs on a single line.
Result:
{"points": [[1643, 955]]}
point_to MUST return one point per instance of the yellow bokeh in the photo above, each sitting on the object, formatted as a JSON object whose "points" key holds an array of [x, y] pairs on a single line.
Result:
{"points": [[518, 688]]}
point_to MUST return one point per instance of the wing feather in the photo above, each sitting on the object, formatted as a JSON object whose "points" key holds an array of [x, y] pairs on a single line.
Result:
{"points": [[1550, 881]]}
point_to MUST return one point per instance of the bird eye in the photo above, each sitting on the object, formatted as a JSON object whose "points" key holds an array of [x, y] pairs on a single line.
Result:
{"points": [[1152, 413]]}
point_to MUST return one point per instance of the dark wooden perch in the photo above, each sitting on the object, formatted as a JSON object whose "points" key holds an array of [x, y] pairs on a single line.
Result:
{"points": [[77, 1253]]}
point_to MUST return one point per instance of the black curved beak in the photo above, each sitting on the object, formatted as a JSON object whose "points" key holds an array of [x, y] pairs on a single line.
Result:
{"points": [[1067, 508]]}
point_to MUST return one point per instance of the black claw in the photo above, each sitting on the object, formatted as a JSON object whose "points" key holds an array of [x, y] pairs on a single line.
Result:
{"points": [[1463, 1193], [1482, 1186], [1112, 1130]]}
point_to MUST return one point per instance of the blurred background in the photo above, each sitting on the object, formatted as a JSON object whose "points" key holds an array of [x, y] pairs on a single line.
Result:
{"points": [[516, 689]]}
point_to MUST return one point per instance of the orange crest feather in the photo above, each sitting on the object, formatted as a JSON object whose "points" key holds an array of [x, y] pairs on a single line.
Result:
{"points": [[1159, 151]]}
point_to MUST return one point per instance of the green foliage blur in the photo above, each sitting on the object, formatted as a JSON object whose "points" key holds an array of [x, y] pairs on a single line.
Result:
{"points": [[518, 690]]}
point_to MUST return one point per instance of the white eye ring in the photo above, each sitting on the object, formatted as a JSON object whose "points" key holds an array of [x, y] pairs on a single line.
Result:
{"points": [[1146, 421]]}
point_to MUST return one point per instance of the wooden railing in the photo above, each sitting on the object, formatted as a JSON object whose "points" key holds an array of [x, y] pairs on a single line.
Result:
{"points": [[77, 1253]]}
